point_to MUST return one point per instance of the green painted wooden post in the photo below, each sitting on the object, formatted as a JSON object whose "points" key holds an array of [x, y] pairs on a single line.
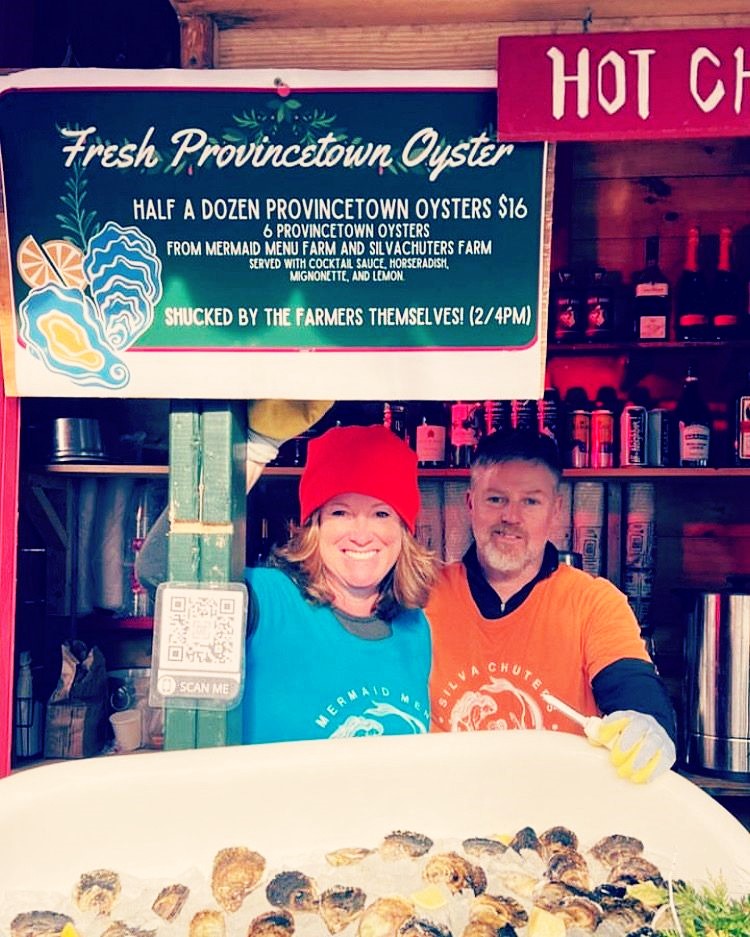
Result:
{"points": [[223, 537], [207, 532]]}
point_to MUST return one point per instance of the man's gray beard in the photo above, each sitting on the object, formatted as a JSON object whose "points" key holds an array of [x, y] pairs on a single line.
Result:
{"points": [[502, 561]]}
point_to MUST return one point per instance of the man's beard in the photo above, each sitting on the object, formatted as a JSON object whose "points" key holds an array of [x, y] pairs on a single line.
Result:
{"points": [[511, 557]]}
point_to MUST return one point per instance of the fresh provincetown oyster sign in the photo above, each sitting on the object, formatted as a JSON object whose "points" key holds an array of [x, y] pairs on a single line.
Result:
{"points": [[244, 234]]}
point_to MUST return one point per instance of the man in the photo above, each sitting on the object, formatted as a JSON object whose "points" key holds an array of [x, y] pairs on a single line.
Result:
{"points": [[509, 622]]}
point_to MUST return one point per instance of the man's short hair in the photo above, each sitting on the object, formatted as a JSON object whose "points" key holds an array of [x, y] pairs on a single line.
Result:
{"points": [[518, 445]]}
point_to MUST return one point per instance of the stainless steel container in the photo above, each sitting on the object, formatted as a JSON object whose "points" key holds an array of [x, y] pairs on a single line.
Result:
{"points": [[717, 703]]}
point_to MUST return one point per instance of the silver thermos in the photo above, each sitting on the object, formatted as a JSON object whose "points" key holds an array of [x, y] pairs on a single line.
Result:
{"points": [[717, 690]]}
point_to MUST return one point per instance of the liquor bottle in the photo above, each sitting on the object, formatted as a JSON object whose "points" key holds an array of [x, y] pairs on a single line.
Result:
{"points": [[430, 434], [652, 301], [599, 314], [566, 312], [464, 432], [523, 415], [549, 414], [694, 423], [496, 416], [690, 295], [728, 298], [741, 424], [395, 415]]}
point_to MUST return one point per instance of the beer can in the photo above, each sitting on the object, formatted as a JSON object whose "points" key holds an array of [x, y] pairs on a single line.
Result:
{"points": [[633, 433], [602, 439], [659, 446], [496, 416], [579, 438], [523, 414]]}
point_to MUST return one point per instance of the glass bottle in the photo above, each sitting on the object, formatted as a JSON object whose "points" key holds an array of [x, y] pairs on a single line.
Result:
{"points": [[549, 414], [599, 314], [694, 423], [690, 295], [430, 434], [728, 297], [464, 432], [395, 416], [741, 424], [652, 300], [566, 312]]}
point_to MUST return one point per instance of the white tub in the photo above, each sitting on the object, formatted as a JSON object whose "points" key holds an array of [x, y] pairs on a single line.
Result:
{"points": [[150, 814]]}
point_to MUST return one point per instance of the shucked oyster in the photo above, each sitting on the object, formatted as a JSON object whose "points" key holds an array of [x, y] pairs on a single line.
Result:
{"points": [[340, 905], [236, 872], [404, 845], [97, 891], [207, 924], [272, 924], [552, 895], [293, 890], [634, 869], [457, 873], [582, 912], [169, 902], [384, 917], [421, 927], [626, 913], [38, 924]]}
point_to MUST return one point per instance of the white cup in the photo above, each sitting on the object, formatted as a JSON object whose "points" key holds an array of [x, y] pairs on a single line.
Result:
{"points": [[127, 728]]}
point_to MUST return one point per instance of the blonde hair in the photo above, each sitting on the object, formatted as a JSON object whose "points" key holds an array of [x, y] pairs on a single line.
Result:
{"points": [[406, 585]]}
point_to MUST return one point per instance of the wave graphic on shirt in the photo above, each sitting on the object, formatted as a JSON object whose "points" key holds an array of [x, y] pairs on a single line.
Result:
{"points": [[361, 725], [482, 708]]}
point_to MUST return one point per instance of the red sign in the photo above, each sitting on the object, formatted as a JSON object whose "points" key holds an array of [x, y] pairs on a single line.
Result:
{"points": [[604, 86]]}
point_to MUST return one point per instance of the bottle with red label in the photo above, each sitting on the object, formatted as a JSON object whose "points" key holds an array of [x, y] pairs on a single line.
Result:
{"points": [[566, 308], [740, 424], [599, 309], [430, 434], [466, 420], [652, 298]]}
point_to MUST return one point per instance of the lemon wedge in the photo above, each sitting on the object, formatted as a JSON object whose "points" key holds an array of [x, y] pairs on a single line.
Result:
{"points": [[544, 924], [68, 931], [431, 897], [648, 893]]}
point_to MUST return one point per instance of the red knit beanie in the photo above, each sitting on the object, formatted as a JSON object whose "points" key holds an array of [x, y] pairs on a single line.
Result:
{"points": [[367, 460]]}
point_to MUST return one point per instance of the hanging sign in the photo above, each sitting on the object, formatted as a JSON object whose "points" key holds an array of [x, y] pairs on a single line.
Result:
{"points": [[639, 85], [240, 234]]}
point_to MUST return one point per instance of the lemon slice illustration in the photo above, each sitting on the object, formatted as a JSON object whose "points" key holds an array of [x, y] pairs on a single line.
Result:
{"points": [[55, 261], [34, 266], [67, 260]]}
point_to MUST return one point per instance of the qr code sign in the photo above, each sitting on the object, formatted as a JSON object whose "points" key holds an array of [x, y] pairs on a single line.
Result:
{"points": [[200, 630], [201, 633]]}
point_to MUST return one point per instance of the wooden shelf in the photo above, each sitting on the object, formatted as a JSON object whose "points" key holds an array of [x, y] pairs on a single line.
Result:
{"points": [[601, 348], [276, 471], [719, 787]]}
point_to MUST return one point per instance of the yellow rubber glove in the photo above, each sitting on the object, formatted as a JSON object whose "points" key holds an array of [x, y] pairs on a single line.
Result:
{"points": [[271, 423], [640, 748]]}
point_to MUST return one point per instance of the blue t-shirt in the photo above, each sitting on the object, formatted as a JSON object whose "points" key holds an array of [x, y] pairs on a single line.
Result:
{"points": [[307, 677]]}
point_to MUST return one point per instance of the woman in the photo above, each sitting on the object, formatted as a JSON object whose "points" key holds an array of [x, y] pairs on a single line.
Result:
{"points": [[338, 644]]}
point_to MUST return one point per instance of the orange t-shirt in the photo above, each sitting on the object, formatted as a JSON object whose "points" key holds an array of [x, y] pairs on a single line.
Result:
{"points": [[490, 673]]}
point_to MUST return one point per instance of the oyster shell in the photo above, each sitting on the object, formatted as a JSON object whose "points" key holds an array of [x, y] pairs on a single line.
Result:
{"points": [[169, 902], [293, 890], [421, 927], [272, 924], [347, 856], [627, 913], [457, 873], [633, 869], [582, 912], [121, 929], [552, 895], [384, 917], [207, 924], [525, 838], [404, 844], [236, 871], [498, 910], [340, 905], [480, 846], [570, 868], [38, 924], [611, 849], [556, 839], [97, 891]]}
